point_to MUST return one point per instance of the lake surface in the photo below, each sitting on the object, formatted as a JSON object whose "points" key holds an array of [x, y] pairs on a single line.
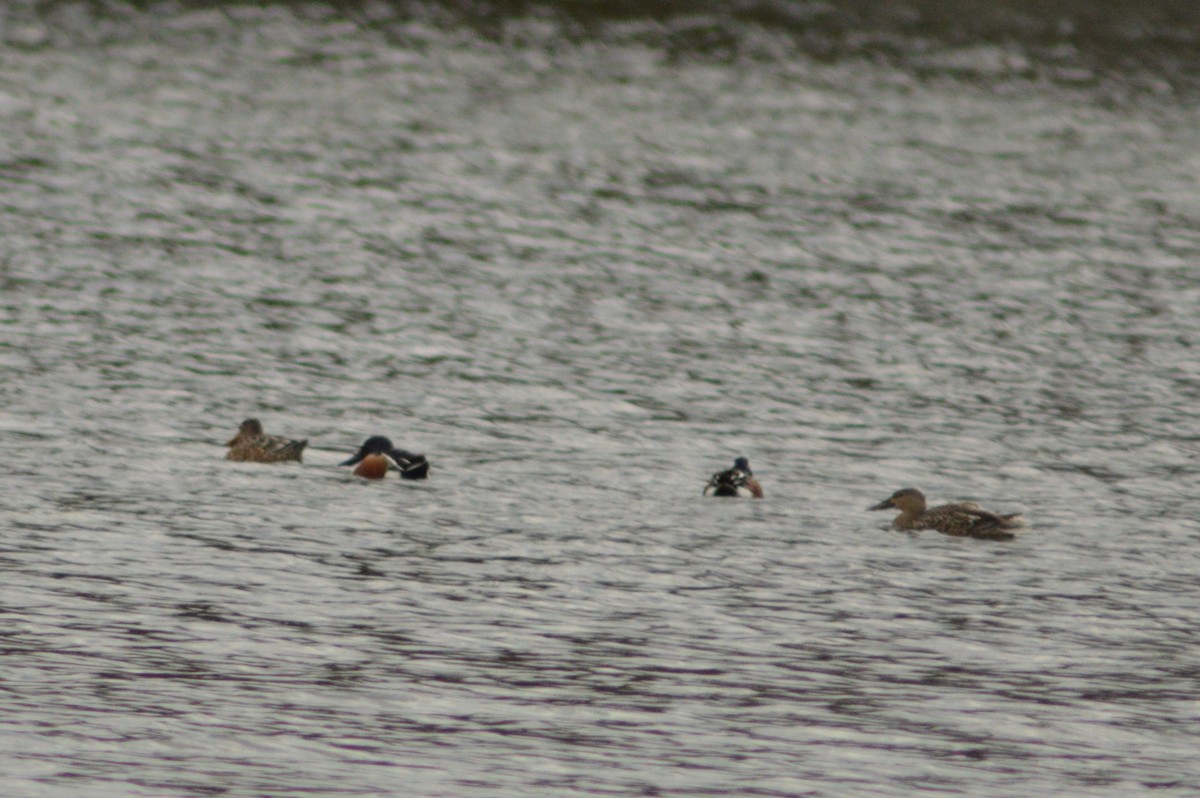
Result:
{"points": [[582, 274]]}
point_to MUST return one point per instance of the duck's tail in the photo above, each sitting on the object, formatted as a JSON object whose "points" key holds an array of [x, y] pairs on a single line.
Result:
{"points": [[993, 526], [294, 450], [410, 464], [1014, 521]]}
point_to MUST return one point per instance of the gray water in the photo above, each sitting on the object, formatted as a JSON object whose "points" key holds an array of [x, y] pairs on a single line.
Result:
{"points": [[581, 277]]}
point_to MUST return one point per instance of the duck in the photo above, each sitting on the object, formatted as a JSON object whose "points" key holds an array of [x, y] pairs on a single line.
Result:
{"points": [[736, 481], [253, 445], [377, 453], [964, 519]]}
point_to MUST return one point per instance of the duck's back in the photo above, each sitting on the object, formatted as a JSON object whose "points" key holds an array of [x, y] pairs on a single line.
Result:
{"points": [[266, 449], [968, 519]]}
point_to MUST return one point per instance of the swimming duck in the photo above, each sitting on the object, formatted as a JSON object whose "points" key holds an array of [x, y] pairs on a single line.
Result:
{"points": [[736, 481], [965, 519], [378, 448], [252, 445]]}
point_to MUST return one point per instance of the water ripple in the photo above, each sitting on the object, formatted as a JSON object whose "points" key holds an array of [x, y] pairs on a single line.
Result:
{"points": [[581, 279]]}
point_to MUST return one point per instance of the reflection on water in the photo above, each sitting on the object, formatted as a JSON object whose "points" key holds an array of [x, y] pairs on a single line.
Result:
{"points": [[582, 277]]}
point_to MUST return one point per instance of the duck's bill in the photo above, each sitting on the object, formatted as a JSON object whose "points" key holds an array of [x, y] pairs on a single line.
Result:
{"points": [[354, 460], [883, 505]]}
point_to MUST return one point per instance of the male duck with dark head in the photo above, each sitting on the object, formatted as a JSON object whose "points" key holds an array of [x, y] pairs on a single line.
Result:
{"points": [[377, 454], [736, 481], [965, 519], [253, 445]]}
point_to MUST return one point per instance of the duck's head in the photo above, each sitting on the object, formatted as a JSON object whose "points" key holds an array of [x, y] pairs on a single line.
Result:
{"points": [[376, 444], [903, 499], [248, 428], [742, 464]]}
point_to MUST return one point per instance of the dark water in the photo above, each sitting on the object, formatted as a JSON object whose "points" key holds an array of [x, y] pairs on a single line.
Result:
{"points": [[582, 272]]}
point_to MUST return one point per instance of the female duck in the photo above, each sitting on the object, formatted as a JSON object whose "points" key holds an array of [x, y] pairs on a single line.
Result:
{"points": [[736, 481], [965, 519], [377, 454], [253, 445]]}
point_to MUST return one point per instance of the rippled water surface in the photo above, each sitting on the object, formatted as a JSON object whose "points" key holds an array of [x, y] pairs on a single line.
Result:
{"points": [[581, 277]]}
